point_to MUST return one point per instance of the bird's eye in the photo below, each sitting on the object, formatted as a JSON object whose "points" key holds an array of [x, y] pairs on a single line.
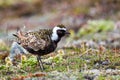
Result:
{"points": [[60, 32]]}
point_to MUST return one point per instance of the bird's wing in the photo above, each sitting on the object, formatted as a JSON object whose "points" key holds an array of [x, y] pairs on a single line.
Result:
{"points": [[36, 40]]}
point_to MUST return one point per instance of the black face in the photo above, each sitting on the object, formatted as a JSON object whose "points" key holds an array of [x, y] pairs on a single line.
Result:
{"points": [[61, 33]]}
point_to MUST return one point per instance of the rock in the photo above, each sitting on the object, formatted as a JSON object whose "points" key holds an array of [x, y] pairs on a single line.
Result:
{"points": [[89, 77], [113, 72], [16, 49], [106, 62]]}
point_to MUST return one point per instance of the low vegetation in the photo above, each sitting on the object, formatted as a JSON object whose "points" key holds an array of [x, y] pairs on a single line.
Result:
{"points": [[74, 61]]}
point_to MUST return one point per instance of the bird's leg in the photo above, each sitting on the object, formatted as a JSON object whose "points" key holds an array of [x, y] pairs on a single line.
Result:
{"points": [[40, 63]]}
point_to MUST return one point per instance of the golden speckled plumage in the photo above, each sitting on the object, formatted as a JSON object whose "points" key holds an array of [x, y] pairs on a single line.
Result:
{"points": [[36, 40], [41, 42], [61, 26]]}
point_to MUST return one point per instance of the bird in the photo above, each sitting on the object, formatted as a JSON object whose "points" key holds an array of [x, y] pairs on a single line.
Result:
{"points": [[41, 42]]}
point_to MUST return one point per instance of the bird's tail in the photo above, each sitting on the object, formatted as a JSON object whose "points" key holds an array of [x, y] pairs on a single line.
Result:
{"points": [[20, 33]]}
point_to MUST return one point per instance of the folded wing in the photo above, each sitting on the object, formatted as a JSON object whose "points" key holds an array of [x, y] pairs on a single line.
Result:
{"points": [[37, 40]]}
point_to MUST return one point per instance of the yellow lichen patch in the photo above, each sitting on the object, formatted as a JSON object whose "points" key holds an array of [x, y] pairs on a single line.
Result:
{"points": [[7, 59], [8, 62], [23, 58], [61, 52]]}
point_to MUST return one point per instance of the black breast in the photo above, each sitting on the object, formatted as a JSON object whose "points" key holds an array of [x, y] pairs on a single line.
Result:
{"points": [[40, 52]]}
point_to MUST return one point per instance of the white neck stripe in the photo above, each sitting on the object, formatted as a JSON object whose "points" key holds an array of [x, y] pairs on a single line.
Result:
{"points": [[54, 36]]}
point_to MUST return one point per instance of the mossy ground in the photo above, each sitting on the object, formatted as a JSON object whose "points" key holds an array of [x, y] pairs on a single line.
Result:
{"points": [[73, 62], [74, 59]]}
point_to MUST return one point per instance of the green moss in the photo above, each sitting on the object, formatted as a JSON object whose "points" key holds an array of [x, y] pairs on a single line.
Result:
{"points": [[73, 59], [96, 26]]}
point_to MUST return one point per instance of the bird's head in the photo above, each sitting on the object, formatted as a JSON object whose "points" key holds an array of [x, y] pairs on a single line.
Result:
{"points": [[58, 32]]}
